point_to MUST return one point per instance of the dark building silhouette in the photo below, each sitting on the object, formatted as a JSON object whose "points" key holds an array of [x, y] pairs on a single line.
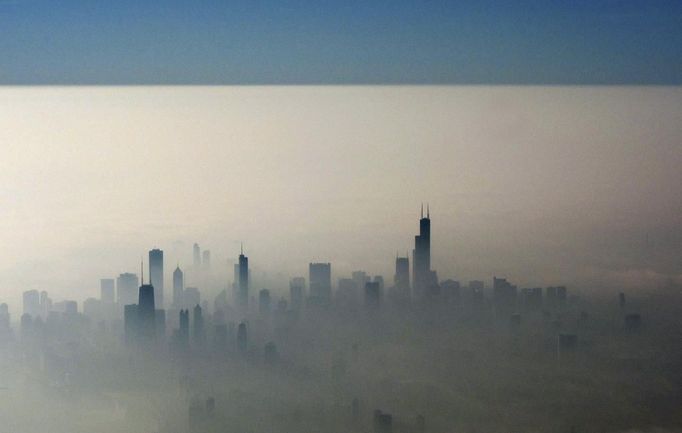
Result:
{"points": [[297, 292], [264, 301], [127, 286], [156, 275], [107, 290], [450, 290], [197, 256], [421, 256], [198, 322], [178, 287], [372, 295], [504, 293], [402, 276], [633, 322], [183, 331], [191, 297], [566, 346], [242, 342], [243, 293], [320, 277], [146, 312]]}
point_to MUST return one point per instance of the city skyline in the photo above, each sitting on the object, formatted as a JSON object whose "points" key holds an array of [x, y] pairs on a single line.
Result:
{"points": [[539, 184]]}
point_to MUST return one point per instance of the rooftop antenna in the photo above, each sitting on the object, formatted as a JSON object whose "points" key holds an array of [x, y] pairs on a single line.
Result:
{"points": [[422, 210], [142, 270], [427, 211], [241, 246]]}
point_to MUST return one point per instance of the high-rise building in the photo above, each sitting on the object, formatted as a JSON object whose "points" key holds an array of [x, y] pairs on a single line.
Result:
{"points": [[242, 342], [107, 291], [146, 312], [243, 294], [126, 289], [156, 275], [264, 301], [402, 276], [297, 292], [320, 277], [372, 295], [197, 256], [421, 255], [198, 320], [178, 287], [31, 300], [206, 259]]}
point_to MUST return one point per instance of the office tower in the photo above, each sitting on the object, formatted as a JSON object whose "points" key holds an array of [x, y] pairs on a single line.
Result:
{"points": [[206, 259], [504, 293], [264, 301], [192, 297], [379, 280], [360, 278], [372, 295], [146, 312], [402, 276], [156, 275], [320, 277], [243, 294], [297, 292], [198, 321], [126, 289], [92, 308], [450, 290], [242, 342], [197, 256], [45, 304], [347, 295], [421, 255], [184, 328], [31, 300], [107, 290], [131, 323], [178, 287]]}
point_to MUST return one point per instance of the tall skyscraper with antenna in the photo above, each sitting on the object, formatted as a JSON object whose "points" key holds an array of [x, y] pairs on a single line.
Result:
{"points": [[421, 255]]}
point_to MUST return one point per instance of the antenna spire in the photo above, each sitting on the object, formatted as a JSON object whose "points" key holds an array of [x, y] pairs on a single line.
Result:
{"points": [[241, 246], [422, 214], [141, 271], [427, 211]]}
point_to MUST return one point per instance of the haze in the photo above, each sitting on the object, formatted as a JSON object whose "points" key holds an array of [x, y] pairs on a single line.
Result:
{"points": [[578, 185]]}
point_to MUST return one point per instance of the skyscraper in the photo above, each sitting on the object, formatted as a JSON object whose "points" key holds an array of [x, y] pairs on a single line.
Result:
{"points": [[106, 286], [178, 287], [126, 288], [320, 277], [243, 298], [32, 303], [297, 292], [206, 259], [156, 275], [197, 256], [146, 311], [421, 260], [402, 276]]}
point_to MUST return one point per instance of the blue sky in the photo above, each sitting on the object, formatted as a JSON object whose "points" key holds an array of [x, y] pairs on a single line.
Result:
{"points": [[340, 42]]}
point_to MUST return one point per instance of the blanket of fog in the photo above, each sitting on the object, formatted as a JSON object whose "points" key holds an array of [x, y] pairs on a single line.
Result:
{"points": [[571, 194], [578, 184]]}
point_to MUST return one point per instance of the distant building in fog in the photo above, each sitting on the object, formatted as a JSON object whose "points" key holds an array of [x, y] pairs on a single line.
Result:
{"points": [[297, 292], [320, 277], [206, 259], [197, 256], [402, 276], [264, 301], [107, 290], [243, 293], [178, 287], [31, 300], [126, 289], [421, 260], [156, 275]]}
